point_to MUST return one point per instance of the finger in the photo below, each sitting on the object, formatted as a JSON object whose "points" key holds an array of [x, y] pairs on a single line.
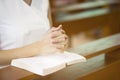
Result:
{"points": [[55, 34], [62, 31], [65, 43], [56, 28], [60, 39]]}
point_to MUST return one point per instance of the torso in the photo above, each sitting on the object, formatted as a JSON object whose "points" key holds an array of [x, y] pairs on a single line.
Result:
{"points": [[29, 25]]}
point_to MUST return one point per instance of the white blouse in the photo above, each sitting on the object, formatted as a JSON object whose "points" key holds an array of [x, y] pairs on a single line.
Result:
{"points": [[21, 24]]}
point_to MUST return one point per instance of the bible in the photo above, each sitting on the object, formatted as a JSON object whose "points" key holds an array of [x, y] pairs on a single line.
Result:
{"points": [[47, 64]]}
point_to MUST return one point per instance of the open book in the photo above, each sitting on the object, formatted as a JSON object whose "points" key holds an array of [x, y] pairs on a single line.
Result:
{"points": [[47, 64]]}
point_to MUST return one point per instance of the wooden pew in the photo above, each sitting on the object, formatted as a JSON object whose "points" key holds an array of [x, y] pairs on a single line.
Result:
{"points": [[99, 63], [78, 24]]}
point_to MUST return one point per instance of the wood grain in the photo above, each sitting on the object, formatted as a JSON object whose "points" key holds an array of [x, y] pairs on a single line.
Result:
{"points": [[75, 71]]}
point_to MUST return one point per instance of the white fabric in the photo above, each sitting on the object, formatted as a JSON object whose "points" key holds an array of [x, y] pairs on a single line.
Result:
{"points": [[21, 24]]}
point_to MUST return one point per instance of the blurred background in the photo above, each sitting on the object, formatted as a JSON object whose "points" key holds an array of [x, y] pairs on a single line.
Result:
{"points": [[89, 20], [86, 20]]}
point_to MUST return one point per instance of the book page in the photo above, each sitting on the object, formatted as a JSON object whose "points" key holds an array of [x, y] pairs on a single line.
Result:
{"points": [[39, 65], [46, 64], [69, 58]]}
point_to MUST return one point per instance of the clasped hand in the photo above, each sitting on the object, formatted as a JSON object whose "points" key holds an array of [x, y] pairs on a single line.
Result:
{"points": [[55, 40]]}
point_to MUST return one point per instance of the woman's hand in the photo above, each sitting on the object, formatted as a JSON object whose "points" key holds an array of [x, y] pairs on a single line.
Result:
{"points": [[59, 38], [55, 40]]}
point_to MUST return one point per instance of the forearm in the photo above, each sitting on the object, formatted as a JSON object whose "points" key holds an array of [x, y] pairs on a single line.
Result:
{"points": [[53, 41], [30, 50]]}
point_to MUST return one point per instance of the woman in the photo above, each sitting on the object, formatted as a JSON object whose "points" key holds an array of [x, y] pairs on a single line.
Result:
{"points": [[25, 30]]}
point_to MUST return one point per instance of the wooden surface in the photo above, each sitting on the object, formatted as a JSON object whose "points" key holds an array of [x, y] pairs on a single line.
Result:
{"points": [[13, 73], [75, 71], [78, 25], [106, 72], [77, 22], [86, 5], [109, 71], [70, 73], [97, 47]]}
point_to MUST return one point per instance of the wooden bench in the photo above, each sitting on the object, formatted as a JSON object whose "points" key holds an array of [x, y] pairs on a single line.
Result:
{"points": [[100, 62]]}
